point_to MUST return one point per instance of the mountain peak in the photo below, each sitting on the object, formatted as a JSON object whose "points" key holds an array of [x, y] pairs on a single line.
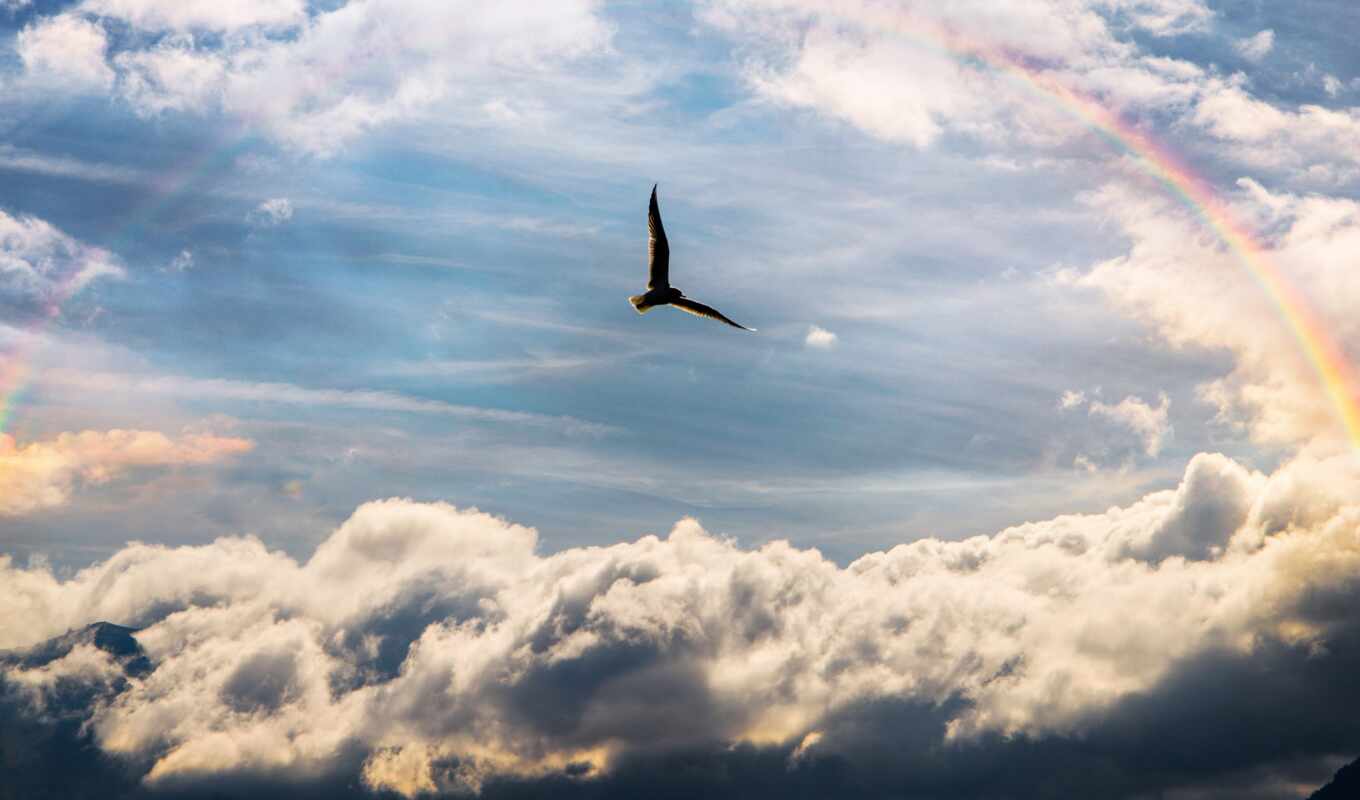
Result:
{"points": [[1344, 785], [116, 640]]}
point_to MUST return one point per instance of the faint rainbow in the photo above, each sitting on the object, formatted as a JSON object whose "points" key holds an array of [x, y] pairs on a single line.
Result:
{"points": [[16, 372], [1323, 353]]}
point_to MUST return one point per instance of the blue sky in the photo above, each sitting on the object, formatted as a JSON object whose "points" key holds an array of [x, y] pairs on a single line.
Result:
{"points": [[453, 256], [262, 263]]}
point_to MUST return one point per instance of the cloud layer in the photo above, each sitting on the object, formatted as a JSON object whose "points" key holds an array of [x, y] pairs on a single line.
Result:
{"points": [[43, 474], [312, 80], [424, 648]]}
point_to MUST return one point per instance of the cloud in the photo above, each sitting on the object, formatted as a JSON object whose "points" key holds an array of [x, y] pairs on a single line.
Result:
{"points": [[205, 15], [182, 262], [272, 212], [1149, 423], [40, 266], [848, 60], [1317, 142], [43, 474], [1256, 47], [820, 338], [1071, 399], [258, 60], [1162, 17], [66, 49], [1273, 388], [290, 394], [426, 648], [19, 159]]}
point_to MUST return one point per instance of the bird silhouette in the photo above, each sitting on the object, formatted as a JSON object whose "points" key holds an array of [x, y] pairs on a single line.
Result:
{"points": [[659, 289]]}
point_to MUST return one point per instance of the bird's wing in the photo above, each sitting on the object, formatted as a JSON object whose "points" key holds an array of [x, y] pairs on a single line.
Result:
{"points": [[658, 249], [701, 310]]}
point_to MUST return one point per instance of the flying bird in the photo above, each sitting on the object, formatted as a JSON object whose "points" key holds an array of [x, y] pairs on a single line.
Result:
{"points": [[659, 289]]}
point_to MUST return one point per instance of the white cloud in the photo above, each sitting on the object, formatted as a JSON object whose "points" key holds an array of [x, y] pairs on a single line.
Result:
{"points": [[1321, 143], [1256, 47], [43, 266], [293, 73], [1071, 399], [16, 158], [427, 635], [1332, 85], [43, 474], [1195, 293], [1163, 17], [820, 338], [1149, 423], [272, 212], [182, 262], [66, 49], [208, 15], [173, 75], [912, 75]]}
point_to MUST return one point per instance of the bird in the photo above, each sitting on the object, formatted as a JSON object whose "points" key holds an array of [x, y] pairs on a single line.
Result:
{"points": [[659, 289]]}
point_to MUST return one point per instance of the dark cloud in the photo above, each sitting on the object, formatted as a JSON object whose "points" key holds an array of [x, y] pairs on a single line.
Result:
{"points": [[425, 650]]}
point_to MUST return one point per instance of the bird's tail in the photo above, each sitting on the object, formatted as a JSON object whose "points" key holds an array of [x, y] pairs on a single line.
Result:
{"points": [[639, 302]]}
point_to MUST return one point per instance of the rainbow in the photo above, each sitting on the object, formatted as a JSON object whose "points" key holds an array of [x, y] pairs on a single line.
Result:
{"points": [[17, 365], [1323, 353], [1308, 328], [16, 368]]}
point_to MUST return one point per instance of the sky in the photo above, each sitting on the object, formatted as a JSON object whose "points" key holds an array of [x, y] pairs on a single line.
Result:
{"points": [[1039, 476]]}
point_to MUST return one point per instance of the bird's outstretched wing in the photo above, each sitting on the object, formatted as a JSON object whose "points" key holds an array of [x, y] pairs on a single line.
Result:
{"points": [[701, 310], [658, 249]]}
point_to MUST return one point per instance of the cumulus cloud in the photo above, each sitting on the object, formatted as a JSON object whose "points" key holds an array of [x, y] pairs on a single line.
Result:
{"points": [[259, 60], [820, 338], [848, 61], [1149, 423], [271, 212], [424, 648], [1071, 399], [40, 266], [43, 474], [912, 76], [1319, 141], [66, 49], [1273, 388], [1255, 48]]}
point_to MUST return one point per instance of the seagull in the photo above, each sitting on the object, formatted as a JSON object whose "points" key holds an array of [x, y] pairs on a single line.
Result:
{"points": [[659, 289]]}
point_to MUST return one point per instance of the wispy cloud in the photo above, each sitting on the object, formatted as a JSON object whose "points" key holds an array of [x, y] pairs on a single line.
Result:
{"points": [[290, 394], [1256, 47], [19, 159], [272, 212]]}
